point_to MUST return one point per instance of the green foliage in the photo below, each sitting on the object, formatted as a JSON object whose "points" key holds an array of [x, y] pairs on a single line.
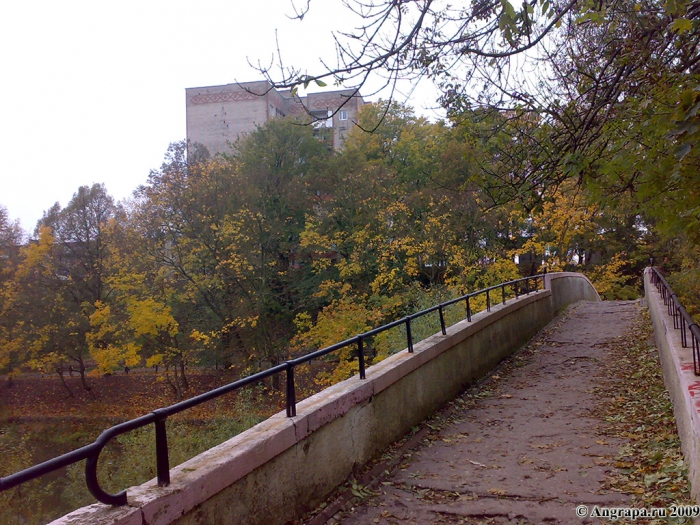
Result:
{"points": [[131, 460], [683, 274], [127, 461], [395, 339], [283, 246]]}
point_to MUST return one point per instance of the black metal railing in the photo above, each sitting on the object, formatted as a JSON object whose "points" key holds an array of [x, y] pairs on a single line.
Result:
{"points": [[681, 318], [91, 452]]}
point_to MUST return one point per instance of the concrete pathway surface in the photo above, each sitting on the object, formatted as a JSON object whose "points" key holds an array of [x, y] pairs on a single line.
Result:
{"points": [[525, 450]]}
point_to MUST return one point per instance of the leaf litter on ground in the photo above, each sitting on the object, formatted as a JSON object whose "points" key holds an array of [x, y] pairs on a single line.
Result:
{"points": [[637, 408]]}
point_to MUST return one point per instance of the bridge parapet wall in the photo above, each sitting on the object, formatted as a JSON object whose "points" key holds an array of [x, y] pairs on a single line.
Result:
{"points": [[568, 288], [281, 468], [680, 379]]}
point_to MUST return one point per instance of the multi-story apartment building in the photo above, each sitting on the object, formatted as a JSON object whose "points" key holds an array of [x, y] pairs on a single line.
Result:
{"points": [[218, 115]]}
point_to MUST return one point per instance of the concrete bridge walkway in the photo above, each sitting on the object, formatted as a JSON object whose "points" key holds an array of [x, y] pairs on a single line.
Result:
{"points": [[526, 449]]}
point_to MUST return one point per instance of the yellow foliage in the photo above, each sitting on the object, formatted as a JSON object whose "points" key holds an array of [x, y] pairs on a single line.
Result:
{"points": [[200, 337], [333, 289], [154, 360], [341, 320], [113, 357], [149, 317], [36, 255], [303, 323], [499, 271], [610, 281], [565, 217]]}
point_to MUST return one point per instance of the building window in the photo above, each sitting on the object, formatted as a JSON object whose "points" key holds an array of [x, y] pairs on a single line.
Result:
{"points": [[343, 114]]}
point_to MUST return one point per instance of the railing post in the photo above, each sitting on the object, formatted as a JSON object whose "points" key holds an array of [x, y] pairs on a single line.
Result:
{"points": [[676, 316], [681, 319], [488, 301], [684, 336], [527, 286], [515, 285], [409, 335], [442, 320], [544, 276], [361, 356], [162, 460], [503, 292], [291, 392], [469, 311]]}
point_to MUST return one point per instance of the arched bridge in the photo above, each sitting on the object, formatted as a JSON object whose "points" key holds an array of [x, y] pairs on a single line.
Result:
{"points": [[278, 470]]}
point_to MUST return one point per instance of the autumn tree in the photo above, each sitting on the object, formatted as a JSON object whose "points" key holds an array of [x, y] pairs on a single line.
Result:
{"points": [[136, 325], [178, 216], [279, 168], [407, 190], [228, 230], [399, 219], [61, 279], [11, 239], [79, 231], [48, 327], [605, 95]]}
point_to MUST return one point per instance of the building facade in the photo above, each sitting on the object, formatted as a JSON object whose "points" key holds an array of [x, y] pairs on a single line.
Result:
{"points": [[218, 115]]}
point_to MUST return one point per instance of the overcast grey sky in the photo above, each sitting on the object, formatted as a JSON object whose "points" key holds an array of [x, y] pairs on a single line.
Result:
{"points": [[94, 91]]}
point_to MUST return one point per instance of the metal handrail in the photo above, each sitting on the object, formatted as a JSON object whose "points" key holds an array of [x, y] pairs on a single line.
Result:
{"points": [[91, 452], [682, 320]]}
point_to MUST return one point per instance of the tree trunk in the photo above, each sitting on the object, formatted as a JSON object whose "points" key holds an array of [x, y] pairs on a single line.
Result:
{"points": [[59, 371], [178, 385], [185, 384], [170, 381], [83, 379], [175, 385]]}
